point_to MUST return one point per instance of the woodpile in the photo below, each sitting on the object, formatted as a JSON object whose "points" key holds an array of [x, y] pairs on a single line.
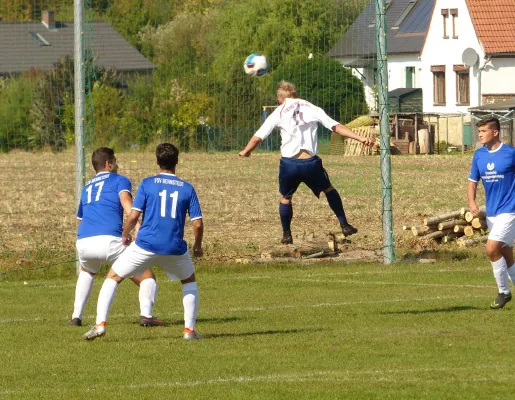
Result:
{"points": [[352, 147], [460, 226]]}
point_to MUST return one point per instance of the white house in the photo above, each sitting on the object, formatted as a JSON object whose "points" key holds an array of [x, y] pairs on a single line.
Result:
{"points": [[407, 24], [469, 55], [427, 40]]}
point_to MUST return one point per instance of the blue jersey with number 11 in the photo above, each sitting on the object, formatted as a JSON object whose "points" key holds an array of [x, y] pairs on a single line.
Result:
{"points": [[164, 201], [100, 209]]}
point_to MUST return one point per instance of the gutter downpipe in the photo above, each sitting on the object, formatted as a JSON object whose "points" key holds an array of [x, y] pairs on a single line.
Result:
{"points": [[479, 77]]}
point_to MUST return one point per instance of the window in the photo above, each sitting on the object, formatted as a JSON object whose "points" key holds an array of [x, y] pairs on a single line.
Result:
{"points": [[438, 85], [445, 15], [410, 77], [454, 14], [404, 14], [462, 84]]}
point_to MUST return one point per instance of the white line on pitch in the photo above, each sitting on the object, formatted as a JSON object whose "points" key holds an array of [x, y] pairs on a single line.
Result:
{"points": [[267, 308], [280, 278], [321, 376]]}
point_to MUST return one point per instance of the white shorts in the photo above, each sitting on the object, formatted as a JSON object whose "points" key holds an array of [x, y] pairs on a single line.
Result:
{"points": [[502, 228], [97, 250], [135, 260]]}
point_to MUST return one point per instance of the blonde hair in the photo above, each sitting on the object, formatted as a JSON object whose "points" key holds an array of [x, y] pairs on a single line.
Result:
{"points": [[286, 90]]}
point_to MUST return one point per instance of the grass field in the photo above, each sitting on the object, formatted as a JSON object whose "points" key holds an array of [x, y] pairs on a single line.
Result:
{"points": [[239, 200], [281, 331]]}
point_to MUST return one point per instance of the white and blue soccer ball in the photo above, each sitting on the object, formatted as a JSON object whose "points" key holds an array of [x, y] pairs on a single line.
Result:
{"points": [[256, 65]]}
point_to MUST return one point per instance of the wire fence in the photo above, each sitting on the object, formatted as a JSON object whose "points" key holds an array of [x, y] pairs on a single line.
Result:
{"points": [[157, 71]]}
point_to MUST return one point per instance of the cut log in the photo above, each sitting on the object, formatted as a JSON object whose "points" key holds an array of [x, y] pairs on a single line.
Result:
{"points": [[406, 228], [482, 214], [459, 229], [451, 236], [437, 234], [478, 223], [422, 230], [450, 224], [434, 235], [468, 231], [463, 210], [471, 242], [442, 217]]}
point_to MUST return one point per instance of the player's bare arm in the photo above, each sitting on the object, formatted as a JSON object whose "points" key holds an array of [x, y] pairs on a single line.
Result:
{"points": [[253, 143], [346, 132], [471, 194], [198, 234], [126, 200], [131, 222]]}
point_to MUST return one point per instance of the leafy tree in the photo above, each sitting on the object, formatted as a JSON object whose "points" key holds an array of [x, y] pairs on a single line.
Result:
{"points": [[15, 103], [327, 84]]}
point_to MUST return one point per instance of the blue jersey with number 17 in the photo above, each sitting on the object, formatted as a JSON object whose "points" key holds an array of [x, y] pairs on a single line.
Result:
{"points": [[100, 209], [164, 200]]}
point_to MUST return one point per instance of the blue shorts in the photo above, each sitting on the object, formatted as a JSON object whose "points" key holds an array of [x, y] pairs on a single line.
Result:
{"points": [[294, 171]]}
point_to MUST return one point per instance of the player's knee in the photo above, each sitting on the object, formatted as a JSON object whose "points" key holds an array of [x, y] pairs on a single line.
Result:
{"points": [[493, 251], [285, 200], [189, 280]]}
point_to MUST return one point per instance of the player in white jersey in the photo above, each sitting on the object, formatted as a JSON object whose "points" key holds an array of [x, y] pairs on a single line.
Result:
{"points": [[164, 200], [298, 121], [494, 165], [99, 234]]}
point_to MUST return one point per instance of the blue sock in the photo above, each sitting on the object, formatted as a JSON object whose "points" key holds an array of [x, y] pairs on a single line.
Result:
{"points": [[286, 214], [335, 202]]}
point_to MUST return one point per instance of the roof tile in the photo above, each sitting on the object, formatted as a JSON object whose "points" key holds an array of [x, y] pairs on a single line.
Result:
{"points": [[494, 24]]}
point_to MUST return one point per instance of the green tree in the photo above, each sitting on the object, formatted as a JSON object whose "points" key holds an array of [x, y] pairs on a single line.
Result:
{"points": [[327, 84], [15, 103]]}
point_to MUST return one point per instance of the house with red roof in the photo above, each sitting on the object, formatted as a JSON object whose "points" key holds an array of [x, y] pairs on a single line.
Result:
{"points": [[468, 58]]}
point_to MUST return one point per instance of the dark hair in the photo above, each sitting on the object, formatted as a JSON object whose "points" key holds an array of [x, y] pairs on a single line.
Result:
{"points": [[100, 156], [167, 156], [492, 122]]}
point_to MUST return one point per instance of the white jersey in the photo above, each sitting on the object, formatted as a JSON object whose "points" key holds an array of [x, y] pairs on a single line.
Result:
{"points": [[298, 121]]}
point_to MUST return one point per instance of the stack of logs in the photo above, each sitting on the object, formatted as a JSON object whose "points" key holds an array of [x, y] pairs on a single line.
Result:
{"points": [[459, 225]]}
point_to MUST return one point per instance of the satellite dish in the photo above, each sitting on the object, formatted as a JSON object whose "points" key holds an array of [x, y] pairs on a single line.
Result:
{"points": [[469, 57]]}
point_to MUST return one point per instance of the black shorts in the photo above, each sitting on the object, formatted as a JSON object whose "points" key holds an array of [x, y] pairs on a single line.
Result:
{"points": [[294, 171]]}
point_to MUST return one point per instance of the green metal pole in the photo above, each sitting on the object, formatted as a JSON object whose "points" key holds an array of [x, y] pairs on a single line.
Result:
{"points": [[78, 56], [384, 129]]}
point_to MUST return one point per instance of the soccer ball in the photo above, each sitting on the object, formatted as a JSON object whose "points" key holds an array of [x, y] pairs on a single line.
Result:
{"points": [[256, 65]]}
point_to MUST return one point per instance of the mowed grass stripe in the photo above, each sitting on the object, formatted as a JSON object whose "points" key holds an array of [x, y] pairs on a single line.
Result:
{"points": [[272, 338]]}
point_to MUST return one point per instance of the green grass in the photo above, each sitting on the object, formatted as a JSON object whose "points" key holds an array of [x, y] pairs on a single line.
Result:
{"points": [[282, 331]]}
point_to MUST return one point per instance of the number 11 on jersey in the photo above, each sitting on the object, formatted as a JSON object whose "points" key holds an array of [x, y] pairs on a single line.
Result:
{"points": [[174, 196]]}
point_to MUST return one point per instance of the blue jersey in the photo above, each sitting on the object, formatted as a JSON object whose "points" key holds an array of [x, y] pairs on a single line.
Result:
{"points": [[164, 201], [100, 208], [497, 171]]}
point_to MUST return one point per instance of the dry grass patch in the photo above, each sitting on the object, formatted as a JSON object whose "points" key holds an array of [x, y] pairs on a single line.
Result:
{"points": [[239, 199]]}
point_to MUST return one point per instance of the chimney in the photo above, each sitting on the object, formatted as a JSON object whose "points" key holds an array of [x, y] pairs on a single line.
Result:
{"points": [[48, 19]]}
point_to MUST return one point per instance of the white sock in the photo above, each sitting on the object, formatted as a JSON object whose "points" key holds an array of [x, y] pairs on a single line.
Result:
{"points": [[190, 302], [501, 275], [147, 296], [511, 273], [82, 292], [105, 299]]}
